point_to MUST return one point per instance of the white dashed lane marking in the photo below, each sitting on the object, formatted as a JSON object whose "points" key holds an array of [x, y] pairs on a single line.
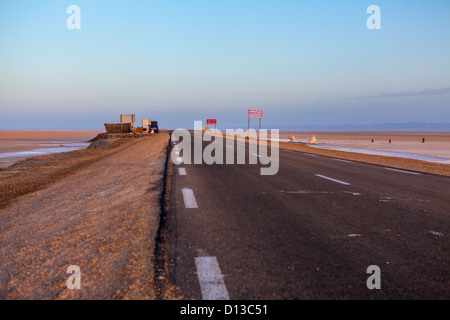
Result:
{"points": [[334, 180], [189, 198], [182, 171], [211, 279]]}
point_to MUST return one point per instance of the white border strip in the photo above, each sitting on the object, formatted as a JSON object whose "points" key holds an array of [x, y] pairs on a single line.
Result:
{"points": [[334, 180], [189, 199], [410, 172], [342, 160], [211, 279]]}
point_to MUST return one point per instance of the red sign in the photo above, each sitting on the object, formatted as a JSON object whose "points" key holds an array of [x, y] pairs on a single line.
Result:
{"points": [[211, 122], [255, 113]]}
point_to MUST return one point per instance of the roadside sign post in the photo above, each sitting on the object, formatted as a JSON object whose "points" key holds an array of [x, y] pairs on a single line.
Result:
{"points": [[252, 113], [211, 122]]}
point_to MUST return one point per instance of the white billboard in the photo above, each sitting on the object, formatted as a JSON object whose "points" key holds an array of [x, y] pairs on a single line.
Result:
{"points": [[127, 118]]}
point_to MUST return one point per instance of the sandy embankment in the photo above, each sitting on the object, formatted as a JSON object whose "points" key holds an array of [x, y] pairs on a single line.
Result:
{"points": [[98, 209]]}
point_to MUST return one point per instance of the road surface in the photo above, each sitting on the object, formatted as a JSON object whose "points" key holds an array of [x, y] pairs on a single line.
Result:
{"points": [[309, 232]]}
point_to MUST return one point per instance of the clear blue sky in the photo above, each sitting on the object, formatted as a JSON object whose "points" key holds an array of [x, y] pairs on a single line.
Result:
{"points": [[178, 61]]}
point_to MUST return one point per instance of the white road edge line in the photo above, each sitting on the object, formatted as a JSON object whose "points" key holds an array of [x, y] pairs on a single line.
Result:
{"points": [[410, 172], [334, 180], [309, 154], [189, 198], [342, 160], [211, 279], [182, 171]]}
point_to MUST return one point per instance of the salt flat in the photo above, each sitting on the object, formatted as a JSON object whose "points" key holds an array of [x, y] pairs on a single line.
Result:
{"points": [[436, 145], [21, 144]]}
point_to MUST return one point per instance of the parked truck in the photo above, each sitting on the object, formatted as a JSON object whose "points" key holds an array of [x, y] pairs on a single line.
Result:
{"points": [[154, 126]]}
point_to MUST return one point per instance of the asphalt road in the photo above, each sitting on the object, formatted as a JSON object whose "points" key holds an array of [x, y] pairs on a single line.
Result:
{"points": [[300, 235]]}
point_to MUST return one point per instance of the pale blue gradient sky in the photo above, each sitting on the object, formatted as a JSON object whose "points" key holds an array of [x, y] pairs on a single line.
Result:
{"points": [[178, 61]]}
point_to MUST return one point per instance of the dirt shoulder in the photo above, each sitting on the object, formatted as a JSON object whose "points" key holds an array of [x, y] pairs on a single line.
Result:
{"points": [[98, 209], [35, 173], [393, 162]]}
